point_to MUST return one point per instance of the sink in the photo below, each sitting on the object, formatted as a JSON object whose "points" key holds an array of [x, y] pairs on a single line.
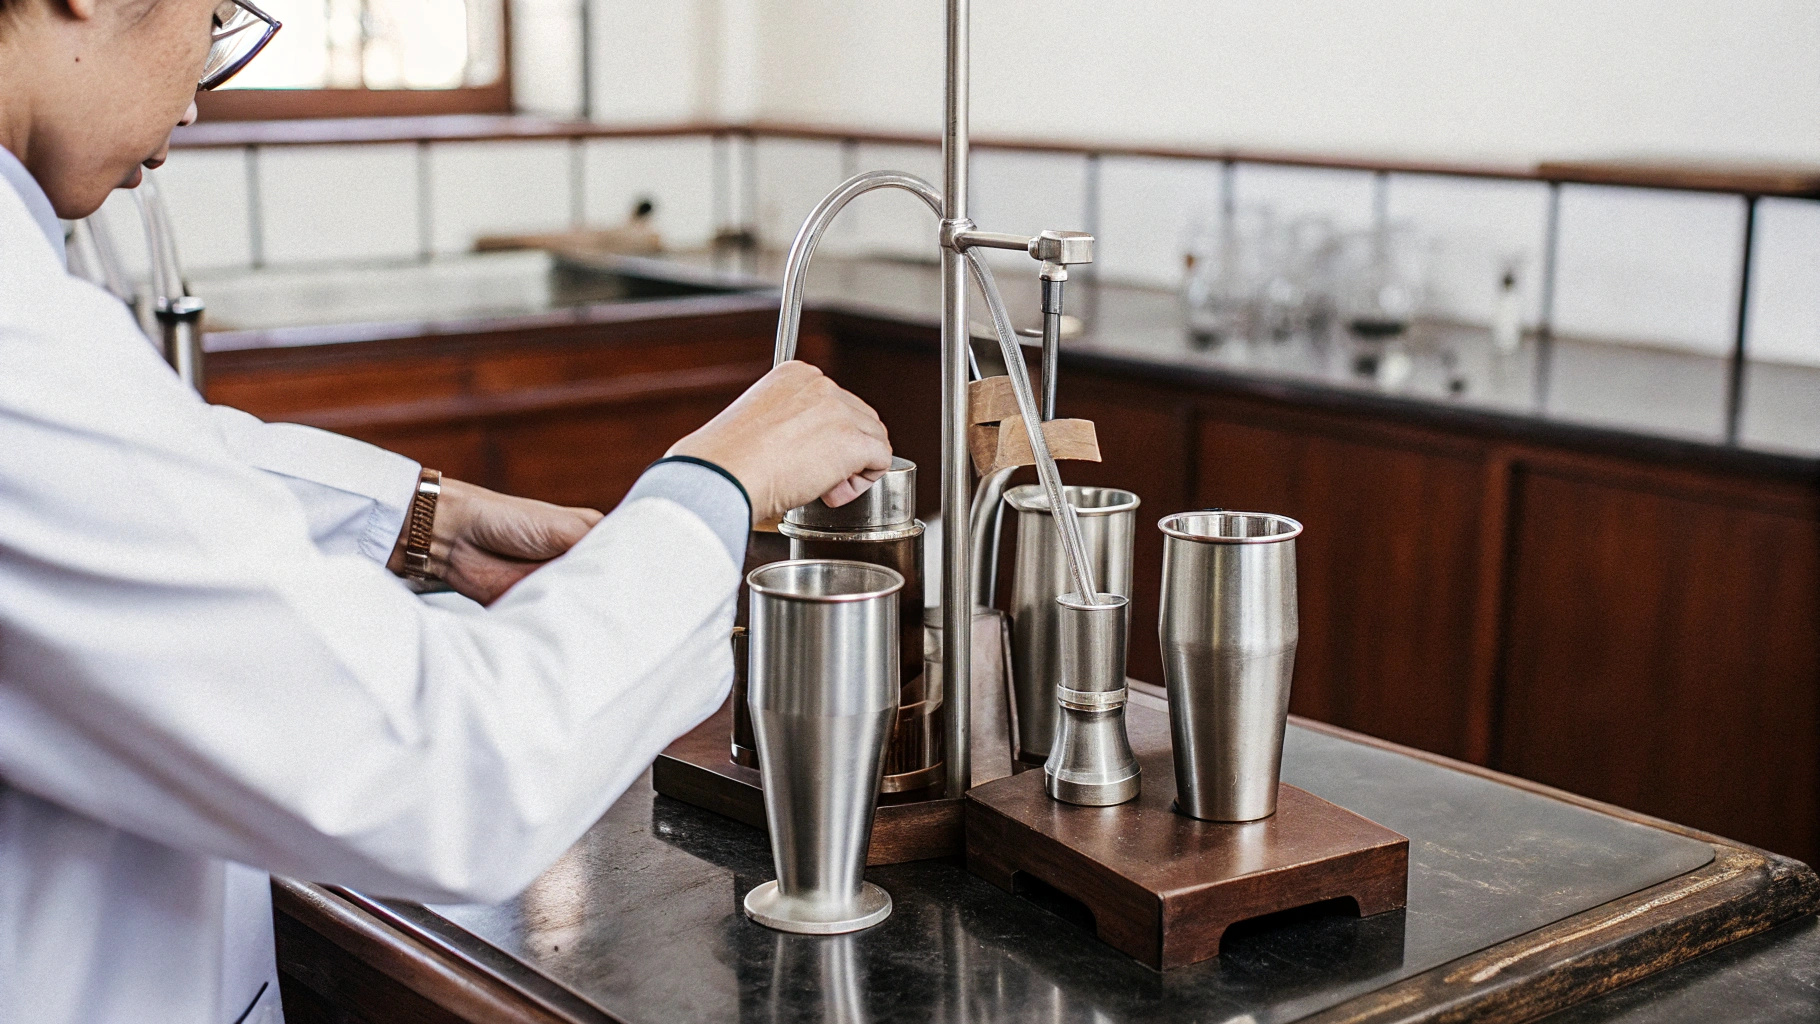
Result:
{"points": [[448, 288]]}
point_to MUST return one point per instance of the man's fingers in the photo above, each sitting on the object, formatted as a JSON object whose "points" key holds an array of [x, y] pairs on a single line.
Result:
{"points": [[847, 490]]}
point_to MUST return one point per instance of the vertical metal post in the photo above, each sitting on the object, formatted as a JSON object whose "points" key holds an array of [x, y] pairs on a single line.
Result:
{"points": [[957, 593], [1734, 393], [255, 211], [426, 225], [1545, 326], [578, 173], [587, 59]]}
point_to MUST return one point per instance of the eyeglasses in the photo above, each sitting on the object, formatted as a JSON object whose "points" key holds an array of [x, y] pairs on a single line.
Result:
{"points": [[239, 32]]}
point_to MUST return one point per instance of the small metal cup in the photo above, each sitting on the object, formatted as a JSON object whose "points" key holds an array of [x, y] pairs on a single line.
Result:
{"points": [[823, 688], [1228, 630], [1092, 763], [1108, 518]]}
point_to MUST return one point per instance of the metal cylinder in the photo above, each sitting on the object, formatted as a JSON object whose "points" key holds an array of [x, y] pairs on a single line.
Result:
{"points": [[823, 687], [880, 527], [1092, 763], [1228, 630], [1108, 518]]}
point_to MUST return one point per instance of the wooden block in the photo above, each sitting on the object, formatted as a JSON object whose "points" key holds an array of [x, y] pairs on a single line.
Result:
{"points": [[699, 768], [1163, 887], [991, 400], [1007, 444]]}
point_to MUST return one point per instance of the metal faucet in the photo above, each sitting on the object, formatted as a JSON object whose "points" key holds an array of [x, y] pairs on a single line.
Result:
{"points": [[170, 317], [960, 241], [178, 313]]}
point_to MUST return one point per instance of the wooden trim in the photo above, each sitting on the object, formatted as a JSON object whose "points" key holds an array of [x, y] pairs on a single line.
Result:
{"points": [[448, 983], [634, 388], [207, 134], [261, 105]]}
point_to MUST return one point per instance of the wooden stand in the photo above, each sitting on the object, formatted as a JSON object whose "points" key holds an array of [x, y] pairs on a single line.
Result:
{"points": [[1163, 887], [699, 768]]}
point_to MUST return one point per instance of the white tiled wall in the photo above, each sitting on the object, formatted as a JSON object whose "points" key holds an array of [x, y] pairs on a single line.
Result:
{"points": [[1784, 323], [484, 188], [1344, 197], [322, 204], [794, 175], [1148, 211], [1480, 227], [675, 174], [206, 191], [1634, 265], [1650, 266]]}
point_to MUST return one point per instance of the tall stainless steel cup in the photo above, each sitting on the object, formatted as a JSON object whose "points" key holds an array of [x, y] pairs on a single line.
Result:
{"points": [[1108, 519], [1228, 628], [823, 688]]}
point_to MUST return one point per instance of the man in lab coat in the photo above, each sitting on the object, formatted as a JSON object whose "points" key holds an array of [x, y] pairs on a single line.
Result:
{"points": [[206, 670]]}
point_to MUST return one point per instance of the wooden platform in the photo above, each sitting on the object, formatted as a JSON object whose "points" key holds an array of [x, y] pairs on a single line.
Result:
{"points": [[699, 768], [1162, 887]]}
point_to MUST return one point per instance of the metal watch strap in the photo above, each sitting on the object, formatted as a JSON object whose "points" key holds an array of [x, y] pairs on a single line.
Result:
{"points": [[417, 562]]}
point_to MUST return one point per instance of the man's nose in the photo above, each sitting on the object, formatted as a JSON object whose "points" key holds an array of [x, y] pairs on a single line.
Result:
{"points": [[189, 116]]}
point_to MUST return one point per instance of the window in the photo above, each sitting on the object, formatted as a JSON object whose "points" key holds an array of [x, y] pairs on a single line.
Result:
{"points": [[353, 58]]}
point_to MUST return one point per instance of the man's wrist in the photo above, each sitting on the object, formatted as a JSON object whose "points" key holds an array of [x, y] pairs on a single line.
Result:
{"points": [[420, 560]]}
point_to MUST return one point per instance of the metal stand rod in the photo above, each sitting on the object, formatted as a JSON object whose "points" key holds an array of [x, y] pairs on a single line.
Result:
{"points": [[957, 589]]}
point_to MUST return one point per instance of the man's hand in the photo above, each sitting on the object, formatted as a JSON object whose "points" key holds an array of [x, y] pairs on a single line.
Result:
{"points": [[793, 437], [483, 541]]}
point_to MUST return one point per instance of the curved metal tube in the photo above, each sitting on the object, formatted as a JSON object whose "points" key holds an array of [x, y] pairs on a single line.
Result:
{"points": [[984, 525], [1066, 524], [802, 249]]}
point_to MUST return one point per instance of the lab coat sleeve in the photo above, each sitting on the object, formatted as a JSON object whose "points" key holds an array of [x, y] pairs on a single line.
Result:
{"points": [[354, 495], [180, 660]]}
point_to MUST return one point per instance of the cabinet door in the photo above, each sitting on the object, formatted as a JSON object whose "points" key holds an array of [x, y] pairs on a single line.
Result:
{"points": [[1387, 568], [1664, 654]]}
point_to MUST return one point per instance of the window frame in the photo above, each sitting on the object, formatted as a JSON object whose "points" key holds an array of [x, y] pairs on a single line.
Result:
{"points": [[304, 104]]}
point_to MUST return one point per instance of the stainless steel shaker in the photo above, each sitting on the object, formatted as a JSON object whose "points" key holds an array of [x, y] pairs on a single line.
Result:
{"points": [[1228, 630], [1108, 518], [823, 687], [880, 526], [1092, 763]]}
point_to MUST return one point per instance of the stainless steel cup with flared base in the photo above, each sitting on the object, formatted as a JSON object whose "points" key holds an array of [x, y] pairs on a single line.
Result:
{"points": [[823, 689], [1228, 631], [1091, 762], [1108, 518]]}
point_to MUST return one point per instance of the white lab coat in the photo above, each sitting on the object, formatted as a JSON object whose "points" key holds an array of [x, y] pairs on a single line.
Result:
{"points": [[204, 664]]}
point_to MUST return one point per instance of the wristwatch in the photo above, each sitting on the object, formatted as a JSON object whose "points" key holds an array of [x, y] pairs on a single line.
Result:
{"points": [[417, 562]]}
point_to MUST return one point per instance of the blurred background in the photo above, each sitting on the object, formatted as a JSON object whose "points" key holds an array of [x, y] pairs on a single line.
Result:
{"points": [[1515, 305]]}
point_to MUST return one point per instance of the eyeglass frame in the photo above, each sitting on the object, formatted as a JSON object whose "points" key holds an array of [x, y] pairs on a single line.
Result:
{"points": [[272, 25]]}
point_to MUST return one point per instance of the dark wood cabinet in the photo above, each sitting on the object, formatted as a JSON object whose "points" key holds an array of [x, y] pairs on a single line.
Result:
{"points": [[1663, 651], [1388, 564]]}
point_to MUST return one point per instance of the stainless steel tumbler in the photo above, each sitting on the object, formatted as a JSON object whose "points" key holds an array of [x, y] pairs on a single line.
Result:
{"points": [[823, 687], [1228, 629], [1108, 518]]}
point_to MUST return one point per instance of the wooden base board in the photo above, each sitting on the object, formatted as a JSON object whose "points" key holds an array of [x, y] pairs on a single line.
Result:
{"points": [[1163, 887], [699, 768]]}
